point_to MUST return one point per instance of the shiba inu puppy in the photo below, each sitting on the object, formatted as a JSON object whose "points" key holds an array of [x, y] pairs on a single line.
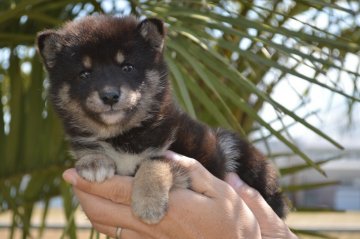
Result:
{"points": [[109, 85]]}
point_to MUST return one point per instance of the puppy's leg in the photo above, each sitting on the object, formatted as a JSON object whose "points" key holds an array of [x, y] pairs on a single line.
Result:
{"points": [[152, 184], [95, 167]]}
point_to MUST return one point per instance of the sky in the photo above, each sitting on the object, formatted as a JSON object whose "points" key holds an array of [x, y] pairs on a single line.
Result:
{"points": [[332, 108]]}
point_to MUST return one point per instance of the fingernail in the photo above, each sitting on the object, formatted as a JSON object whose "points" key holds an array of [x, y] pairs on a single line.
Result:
{"points": [[70, 176], [234, 180]]}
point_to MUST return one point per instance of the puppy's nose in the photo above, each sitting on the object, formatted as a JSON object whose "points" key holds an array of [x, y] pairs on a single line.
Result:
{"points": [[110, 97]]}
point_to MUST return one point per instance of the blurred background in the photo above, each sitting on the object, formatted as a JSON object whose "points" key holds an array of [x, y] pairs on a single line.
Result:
{"points": [[283, 73]]}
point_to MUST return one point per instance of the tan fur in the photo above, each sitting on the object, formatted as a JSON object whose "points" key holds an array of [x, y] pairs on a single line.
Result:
{"points": [[80, 118], [87, 62], [150, 195], [180, 176], [132, 97], [94, 102], [119, 57]]}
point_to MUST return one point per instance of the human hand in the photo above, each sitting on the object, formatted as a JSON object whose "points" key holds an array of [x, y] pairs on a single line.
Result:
{"points": [[211, 210], [271, 226]]}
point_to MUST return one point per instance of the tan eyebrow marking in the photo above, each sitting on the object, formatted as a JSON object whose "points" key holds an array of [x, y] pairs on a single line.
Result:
{"points": [[119, 57], [87, 62]]}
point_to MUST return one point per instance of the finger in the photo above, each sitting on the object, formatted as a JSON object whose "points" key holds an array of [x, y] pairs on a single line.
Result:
{"points": [[181, 212], [271, 225], [129, 234], [202, 181], [106, 212], [118, 188], [253, 199], [125, 233]]}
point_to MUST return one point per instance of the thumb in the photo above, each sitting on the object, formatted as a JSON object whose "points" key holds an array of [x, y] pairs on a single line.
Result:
{"points": [[117, 189]]}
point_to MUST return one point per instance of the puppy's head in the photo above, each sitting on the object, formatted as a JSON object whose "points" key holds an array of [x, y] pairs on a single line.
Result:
{"points": [[106, 73]]}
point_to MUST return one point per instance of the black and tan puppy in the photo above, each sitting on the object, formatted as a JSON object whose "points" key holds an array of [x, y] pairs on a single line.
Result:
{"points": [[109, 86]]}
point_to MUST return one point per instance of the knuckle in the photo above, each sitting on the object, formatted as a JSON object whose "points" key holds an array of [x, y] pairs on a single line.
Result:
{"points": [[195, 166], [250, 193], [227, 190]]}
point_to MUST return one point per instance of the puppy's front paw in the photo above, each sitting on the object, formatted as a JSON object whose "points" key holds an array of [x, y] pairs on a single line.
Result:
{"points": [[95, 168], [150, 208], [150, 194]]}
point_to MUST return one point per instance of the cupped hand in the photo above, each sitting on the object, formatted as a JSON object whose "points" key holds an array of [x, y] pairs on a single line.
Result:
{"points": [[212, 209]]}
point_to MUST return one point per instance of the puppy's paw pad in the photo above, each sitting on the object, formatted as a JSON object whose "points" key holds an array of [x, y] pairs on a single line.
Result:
{"points": [[150, 211]]}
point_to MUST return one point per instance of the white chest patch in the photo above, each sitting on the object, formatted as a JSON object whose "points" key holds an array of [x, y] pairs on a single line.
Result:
{"points": [[127, 163]]}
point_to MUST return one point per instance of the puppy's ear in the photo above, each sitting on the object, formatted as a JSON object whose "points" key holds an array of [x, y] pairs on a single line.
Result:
{"points": [[48, 45], [154, 31]]}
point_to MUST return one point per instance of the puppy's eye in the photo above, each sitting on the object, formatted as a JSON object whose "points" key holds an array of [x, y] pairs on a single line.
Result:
{"points": [[127, 68], [84, 75]]}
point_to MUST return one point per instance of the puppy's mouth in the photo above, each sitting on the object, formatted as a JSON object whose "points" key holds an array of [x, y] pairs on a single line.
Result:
{"points": [[112, 116], [111, 113]]}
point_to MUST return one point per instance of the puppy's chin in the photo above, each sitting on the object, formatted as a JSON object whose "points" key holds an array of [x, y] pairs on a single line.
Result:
{"points": [[112, 117]]}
